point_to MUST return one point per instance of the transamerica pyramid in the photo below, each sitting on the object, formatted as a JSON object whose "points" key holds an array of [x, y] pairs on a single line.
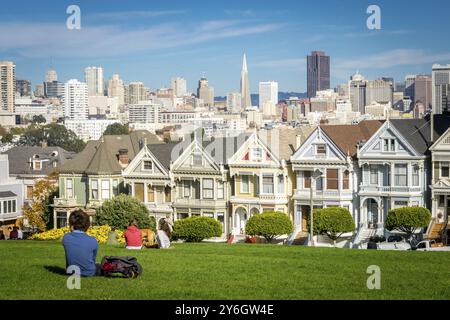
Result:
{"points": [[245, 85]]}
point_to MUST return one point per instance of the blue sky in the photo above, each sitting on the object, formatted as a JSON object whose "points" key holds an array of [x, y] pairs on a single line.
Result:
{"points": [[153, 40]]}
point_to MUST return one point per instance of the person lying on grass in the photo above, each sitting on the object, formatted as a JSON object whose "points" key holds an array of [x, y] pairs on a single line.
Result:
{"points": [[81, 249]]}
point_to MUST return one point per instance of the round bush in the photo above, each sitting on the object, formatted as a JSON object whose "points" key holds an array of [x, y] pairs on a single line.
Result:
{"points": [[408, 219], [333, 222], [269, 225], [196, 229], [120, 210]]}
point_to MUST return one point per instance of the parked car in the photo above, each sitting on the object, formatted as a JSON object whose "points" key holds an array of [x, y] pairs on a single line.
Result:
{"points": [[430, 245]]}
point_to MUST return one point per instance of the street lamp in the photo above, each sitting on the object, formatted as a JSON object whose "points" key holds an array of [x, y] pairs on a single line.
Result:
{"points": [[315, 175]]}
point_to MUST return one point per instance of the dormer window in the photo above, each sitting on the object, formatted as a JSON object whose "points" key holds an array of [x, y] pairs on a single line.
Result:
{"points": [[321, 150], [148, 165], [389, 145], [37, 165]]}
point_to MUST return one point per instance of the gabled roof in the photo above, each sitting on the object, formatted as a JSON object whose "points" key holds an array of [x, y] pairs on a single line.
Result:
{"points": [[21, 157], [347, 137], [101, 156], [163, 152]]}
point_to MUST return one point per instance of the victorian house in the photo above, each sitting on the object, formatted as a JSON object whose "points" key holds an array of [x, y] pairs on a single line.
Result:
{"points": [[200, 181], [326, 171], [95, 174], [394, 170], [148, 177]]}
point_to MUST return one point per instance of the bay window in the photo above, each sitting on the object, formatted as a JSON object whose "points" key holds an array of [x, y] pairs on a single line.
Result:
{"points": [[268, 184], [105, 189], [208, 188], [401, 175]]}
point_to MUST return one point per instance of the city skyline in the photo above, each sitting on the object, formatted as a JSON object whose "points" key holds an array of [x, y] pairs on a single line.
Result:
{"points": [[147, 42]]}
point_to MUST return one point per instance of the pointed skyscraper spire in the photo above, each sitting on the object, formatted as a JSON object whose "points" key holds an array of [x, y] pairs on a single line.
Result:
{"points": [[245, 85]]}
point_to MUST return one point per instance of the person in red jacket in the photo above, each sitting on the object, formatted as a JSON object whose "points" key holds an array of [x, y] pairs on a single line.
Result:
{"points": [[133, 236]]}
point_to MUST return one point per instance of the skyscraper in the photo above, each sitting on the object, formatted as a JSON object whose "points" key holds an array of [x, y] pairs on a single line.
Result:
{"points": [[116, 89], [23, 88], [357, 91], [441, 88], [76, 100], [234, 102], [7, 85], [205, 92], [51, 76], [268, 97], [409, 86], [179, 86], [94, 78], [136, 92], [422, 90], [318, 72], [379, 91], [245, 85]]}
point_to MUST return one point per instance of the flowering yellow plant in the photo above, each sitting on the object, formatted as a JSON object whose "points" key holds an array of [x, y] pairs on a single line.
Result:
{"points": [[98, 232]]}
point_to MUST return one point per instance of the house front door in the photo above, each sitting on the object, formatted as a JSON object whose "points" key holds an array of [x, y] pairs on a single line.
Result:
{"points": [[305, 217]]}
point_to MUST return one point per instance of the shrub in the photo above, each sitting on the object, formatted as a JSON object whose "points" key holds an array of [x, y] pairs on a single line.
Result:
{"points": [[408, 219], [120, 210], [333, 222], [269, 225], [99, 233], [196, 229]]}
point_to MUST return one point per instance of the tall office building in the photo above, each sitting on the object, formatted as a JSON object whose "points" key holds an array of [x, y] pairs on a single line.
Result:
{"points": [[144, 112], [51, 76], [409, 86], [54, 89], [205, 92], [76, 100], [441, 88], [116, 89], [318, 72], [7, 86], [268, 97], [93, 76], [136, 92], [234, 102], [357, 91], [245, 85], [379, 91], [23, 88], [39, 91], [179, 86], [422, 90]]}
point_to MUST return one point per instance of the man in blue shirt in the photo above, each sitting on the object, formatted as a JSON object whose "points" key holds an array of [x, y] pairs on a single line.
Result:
{"points": [[81, 249]]}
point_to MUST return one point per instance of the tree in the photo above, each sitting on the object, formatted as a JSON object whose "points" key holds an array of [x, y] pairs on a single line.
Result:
{"points": [[196, 229], [116, 129], [7, 138], [121, 210], [269, 225], [39, 213], [408, 219], [38, 119], [333, 222], [55, 135]]}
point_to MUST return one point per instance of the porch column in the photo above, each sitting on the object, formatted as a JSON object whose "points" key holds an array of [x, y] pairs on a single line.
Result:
{"points": [[145, 193], [54, 219]]}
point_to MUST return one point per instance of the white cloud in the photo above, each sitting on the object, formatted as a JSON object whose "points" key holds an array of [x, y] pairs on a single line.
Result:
{"points": [[124, 15], [54, 39]]}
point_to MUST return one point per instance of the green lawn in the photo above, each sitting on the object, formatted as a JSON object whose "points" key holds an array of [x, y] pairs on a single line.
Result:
{"points": [[220, 271]]}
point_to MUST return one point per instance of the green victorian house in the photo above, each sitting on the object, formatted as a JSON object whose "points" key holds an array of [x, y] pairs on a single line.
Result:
{"points": [[95, 174]]}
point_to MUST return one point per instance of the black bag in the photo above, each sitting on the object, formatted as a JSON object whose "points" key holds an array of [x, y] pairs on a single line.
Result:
{"points": [[121, 267]]}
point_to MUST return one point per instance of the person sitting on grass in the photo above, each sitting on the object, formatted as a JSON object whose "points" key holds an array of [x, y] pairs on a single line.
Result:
{"points": [[133, 236], [2, 235], [13, 234], [81, 249]]}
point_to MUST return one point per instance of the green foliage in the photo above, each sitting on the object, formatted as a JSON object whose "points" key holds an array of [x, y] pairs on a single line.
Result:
{"points": [[269, 225], [55, 135], [117, 129], [196, 229], [38, 119], [333, 222], [408, 219], [7, 138], [121, 210]]}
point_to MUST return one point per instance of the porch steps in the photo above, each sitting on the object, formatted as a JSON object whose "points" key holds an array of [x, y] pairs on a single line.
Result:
{"points": [[301, 238], [366, 234], [435, 232]]}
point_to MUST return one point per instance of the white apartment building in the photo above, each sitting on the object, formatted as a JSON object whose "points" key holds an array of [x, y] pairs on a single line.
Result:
{"points": [[76, 100], [26, 107], [234, 102], [94, 79], [116, 89], [144, 112], [268, 97], [89, 129]]}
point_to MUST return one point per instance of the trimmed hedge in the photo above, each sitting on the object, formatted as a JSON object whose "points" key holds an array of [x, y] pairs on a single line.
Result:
{"points": [[333, 222], [120, 210], [408, 219], [196, 229], [269, 225]]}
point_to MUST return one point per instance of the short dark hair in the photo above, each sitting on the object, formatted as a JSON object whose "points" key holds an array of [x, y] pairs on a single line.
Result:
{"points": [[79, 220], [133, 223]]}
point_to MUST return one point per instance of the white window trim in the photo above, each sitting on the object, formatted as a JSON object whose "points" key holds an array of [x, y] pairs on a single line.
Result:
{"points": [[66, 188], [6, 200], [91, 189], [262, 184], [143, 165], [241, 184]]}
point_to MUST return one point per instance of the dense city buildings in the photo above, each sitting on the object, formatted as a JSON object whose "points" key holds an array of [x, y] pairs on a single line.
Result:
{"points": [[318, 72]]}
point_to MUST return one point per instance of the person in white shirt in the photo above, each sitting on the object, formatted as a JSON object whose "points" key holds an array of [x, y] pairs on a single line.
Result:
{"points": [[19, 234]]}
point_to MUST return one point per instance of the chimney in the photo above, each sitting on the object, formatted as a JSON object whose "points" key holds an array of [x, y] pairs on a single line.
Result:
{"points": [[298, 141], [123, 157]]}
